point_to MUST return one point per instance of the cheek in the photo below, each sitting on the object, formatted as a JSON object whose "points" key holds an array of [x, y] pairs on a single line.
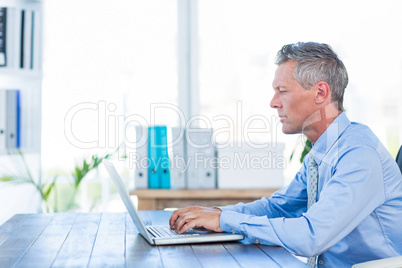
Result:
{"points": [[297, 112], [293, 106]]}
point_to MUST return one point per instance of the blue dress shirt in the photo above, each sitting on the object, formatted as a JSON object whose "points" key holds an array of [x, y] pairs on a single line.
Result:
{"points": [[358, 214]]}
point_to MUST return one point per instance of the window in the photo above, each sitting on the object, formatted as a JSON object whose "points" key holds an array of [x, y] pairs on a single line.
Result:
{"points": [[103, 60]]}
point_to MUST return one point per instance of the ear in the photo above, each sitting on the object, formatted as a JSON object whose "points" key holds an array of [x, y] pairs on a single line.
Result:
{"points": [[323, 92]]}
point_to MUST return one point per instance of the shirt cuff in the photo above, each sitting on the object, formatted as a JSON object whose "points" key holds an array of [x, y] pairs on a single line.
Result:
{"points": [[230, 221]]}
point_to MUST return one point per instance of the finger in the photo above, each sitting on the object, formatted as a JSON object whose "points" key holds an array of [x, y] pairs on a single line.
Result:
{"points": [[176, 214], [183, 219], [187, 225], [179, 223], [173, 218]]}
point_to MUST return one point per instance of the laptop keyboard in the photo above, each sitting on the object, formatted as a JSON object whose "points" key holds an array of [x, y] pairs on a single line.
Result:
{"points": [[165, 231]]}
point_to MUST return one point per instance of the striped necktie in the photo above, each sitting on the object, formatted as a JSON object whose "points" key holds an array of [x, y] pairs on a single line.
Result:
{"points": [[312, 196]]}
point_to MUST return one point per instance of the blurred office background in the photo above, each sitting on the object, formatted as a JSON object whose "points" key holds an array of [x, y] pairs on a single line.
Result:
{"points": [[103, 59]]}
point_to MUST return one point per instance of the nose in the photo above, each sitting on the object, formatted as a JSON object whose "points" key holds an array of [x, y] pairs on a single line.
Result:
{"points": [[275, 103]]}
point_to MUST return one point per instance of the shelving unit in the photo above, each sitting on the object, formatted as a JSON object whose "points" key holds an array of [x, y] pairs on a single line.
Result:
{"points": [[23, 67], [23, 72]]}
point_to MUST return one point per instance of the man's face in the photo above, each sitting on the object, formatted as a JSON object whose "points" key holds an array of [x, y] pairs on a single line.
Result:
{"points": [[294, 103]]}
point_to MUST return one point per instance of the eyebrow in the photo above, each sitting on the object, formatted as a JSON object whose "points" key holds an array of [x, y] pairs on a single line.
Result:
{"points": [[278, 86]]}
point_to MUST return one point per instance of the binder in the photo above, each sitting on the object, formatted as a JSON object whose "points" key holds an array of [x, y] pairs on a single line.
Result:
{"points": [[178, 159], [142, 161], [3, 36], [163, 168], [13, 119], [13, 40], [36, 41], [3, 118], [201, 157], [158, 171], [23, 41], [153, 178], [26, 39]]}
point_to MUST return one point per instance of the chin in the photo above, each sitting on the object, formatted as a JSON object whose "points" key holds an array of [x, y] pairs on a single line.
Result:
{"points": [[288, 130], [285, 130]]}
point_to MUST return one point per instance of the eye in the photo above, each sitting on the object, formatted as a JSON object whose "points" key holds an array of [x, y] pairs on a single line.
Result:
{"points": [[282, 92]]}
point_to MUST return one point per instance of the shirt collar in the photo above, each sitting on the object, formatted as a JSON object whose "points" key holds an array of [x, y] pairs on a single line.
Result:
{"points": [[329, 137]]}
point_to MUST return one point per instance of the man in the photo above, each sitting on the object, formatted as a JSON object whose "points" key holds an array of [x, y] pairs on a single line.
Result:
{"points": [[351, 210]]}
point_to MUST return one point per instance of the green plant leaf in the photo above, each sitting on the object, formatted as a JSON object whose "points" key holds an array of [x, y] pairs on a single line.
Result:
{"points": [[6, 179], [47, 189], [291, 155], [14, 179], [306, 150]]}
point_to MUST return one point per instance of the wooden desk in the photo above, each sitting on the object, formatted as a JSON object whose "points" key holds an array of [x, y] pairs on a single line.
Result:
{"points": [[158, 199], [110, 239]]}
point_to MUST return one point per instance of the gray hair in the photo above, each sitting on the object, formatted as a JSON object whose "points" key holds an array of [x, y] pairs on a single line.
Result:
{"points": [[316, 62]]}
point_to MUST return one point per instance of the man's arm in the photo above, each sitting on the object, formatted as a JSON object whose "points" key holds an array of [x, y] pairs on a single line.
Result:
{"points": [[353, 192], [290, 201]]}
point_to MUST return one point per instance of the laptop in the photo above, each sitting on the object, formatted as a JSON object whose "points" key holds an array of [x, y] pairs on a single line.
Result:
{"points": [[163, 235]]}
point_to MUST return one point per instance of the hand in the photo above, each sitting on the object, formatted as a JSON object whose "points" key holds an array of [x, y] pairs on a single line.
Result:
{"points": [[190, 217]]}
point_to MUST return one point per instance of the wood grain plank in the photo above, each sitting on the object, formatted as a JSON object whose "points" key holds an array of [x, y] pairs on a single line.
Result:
{"points": [[178, 256], [7, 228], [112, 240], [77, 248], [249, 255], [22, 238], [9, 256], [44, 250], [139, 253], [109, 248], [214, 255], [282, 257]]}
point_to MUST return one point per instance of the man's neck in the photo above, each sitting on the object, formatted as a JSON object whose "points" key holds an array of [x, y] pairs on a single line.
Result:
{"points": [[318, 122]]}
